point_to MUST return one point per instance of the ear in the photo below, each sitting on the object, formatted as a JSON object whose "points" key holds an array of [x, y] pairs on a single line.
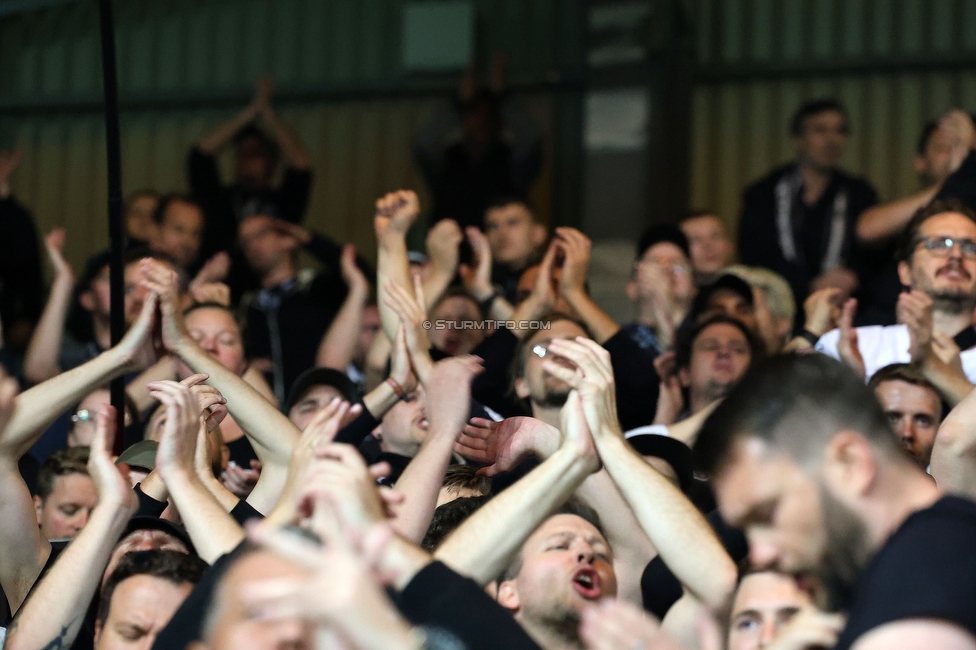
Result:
{"points": [[98, 631], [684, 377], [538, 235], [631, 289], [850, 467], [87, 301], [38, 508], [918, 162], [508, 596], [522, 388], [904, 274], [783, 327]]}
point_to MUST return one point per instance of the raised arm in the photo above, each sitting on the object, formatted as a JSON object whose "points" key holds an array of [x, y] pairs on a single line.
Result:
{"points": [[271, 432], [395, 213], [41, 357], [572, 285], [292, 150], [442, 252], [484, 545], [503, 445], [680, 533], [24, 551], [339, 343], [447, 402], [213, 531], [477, 279], [52, 616], [221, 135], [38, 407], [914, 310], [887, 220]]}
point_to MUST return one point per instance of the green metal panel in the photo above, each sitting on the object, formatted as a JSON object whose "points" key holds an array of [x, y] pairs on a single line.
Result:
{"points": [[185, 65], [894, 63]]}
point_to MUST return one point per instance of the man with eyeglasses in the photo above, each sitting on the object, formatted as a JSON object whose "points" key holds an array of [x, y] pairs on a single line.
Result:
{"points": [[938, 265]]}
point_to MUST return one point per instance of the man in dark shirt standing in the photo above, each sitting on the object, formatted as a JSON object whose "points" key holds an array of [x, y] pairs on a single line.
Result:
{"points": [[799, 220], [256, 159], [286, 318], [802, 458], [21, 290]]}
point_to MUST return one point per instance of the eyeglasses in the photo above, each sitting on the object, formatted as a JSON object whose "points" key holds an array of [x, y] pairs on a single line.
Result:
{"points": [[940, 246], [676, 267], [84, 415]]}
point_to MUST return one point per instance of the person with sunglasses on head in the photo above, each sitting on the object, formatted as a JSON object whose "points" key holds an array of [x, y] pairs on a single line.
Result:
{"points": [[937, 264]]}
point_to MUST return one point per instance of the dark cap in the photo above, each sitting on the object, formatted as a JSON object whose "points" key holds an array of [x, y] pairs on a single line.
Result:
{"points": [[141, 455], [320, 377], [163, 525], [725, 282], [663, 233], [671, 450]]}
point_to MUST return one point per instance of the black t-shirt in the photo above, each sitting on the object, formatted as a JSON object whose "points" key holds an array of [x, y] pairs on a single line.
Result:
{"points": [[926, 569]]}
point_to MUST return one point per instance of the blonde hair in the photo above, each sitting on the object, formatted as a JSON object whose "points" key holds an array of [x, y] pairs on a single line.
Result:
{"points": [[779, 296]]}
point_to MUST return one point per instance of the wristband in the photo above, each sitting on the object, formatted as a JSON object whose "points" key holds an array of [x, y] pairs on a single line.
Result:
{"points": [[397, 388], [809, 337]]}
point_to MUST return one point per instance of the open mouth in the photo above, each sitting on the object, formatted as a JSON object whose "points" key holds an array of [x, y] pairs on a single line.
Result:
{"points": [[953, 273], [586, 582]]}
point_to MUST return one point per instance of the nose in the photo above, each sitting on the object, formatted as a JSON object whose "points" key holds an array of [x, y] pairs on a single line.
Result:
{"points": [[768, 633], [289, 633]]}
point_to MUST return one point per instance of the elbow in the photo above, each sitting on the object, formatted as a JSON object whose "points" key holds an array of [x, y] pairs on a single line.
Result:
{"points": [[35, 373], [869, 229], [722, 587]]}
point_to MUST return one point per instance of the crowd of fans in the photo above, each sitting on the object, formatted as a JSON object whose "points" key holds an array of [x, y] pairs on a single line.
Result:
{"points": [[460, 449]]}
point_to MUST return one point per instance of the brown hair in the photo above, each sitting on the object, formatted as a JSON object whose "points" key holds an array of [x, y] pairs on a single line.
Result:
{"points": [[70, 460]]}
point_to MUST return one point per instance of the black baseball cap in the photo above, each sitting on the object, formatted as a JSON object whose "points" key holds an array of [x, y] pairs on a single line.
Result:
{"points": [[671, 450], [663, 233], [142, 522], [725, 282], [320, 377]]}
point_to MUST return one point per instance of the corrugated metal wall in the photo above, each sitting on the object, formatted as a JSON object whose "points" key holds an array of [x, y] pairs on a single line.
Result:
{"points": [[185, 65], [894, 63]]}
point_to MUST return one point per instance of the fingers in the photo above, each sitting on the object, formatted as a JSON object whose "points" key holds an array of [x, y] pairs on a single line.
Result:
{"points": [[589, 357], [847, 316], [195, 379], [104, 430]]}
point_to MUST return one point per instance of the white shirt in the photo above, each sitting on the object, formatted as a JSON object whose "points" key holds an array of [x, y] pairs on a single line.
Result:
{"points": [[881, 346]]}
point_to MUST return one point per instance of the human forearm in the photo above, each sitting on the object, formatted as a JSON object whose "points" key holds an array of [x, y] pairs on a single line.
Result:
{"points": [[335, 350], [950, 383], [682, 537], [138, 390], [39, 406], [23, 551], [222, 134], [954, 451], [889, 219], [294, 154], [486, 542], [392, 265], [53, 615], [41, 357], [420, 484], [597, 321], [212, 530], [380, 400], [272, 432]]}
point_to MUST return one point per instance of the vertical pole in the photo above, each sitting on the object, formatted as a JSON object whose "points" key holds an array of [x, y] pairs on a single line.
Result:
{"points": [[115, 227]]}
